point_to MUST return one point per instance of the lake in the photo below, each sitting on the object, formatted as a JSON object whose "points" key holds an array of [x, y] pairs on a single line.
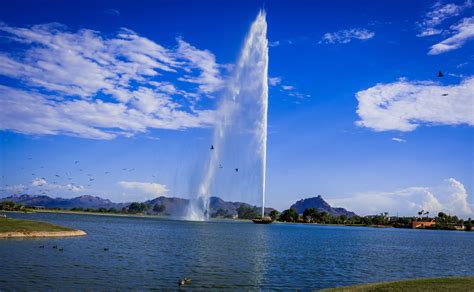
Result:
{"points": [[152, 253]]}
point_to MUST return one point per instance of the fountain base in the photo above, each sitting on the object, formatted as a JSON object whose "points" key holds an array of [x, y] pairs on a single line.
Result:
{"points": [[264, 220]]}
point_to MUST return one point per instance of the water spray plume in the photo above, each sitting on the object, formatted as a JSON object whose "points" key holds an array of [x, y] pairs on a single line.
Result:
{"points": [[240, 133]]}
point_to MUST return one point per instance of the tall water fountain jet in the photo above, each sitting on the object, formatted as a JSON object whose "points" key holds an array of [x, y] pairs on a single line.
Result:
{"points": [[237, 162]]}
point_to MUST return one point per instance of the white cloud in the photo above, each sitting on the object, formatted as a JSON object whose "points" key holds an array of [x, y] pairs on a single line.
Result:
{"points": [[289, 90], [274, 43], [144, 187], [274, 81], [43, 184], [114, 12], [464, 31], [36, 114], [404, 105], [9, 189], [290, 42], [450, 197], [38, 182], [437, 15], [209, 79], [399, 140], [74, 188], [347, 35], [88, 85]]}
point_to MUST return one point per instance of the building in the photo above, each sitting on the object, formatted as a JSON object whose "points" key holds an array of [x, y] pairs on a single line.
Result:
{"points": [[422, 224]]}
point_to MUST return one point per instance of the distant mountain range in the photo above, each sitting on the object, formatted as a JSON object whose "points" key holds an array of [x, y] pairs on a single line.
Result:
{"points": [[322, 206], [78, 202], [173, 206]]}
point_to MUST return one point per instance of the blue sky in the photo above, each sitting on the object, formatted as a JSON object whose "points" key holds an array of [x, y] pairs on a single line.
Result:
{"points": [[357, 113]]}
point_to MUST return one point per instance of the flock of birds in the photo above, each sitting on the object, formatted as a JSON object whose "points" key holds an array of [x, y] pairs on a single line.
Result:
{"points": [[220, 165], [181, 282], [42, 186], [62, 248], [440, 74], [90, 178]]}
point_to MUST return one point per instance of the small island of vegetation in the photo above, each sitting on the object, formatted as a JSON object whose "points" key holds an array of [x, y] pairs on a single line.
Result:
{"points": [[12, 228]]}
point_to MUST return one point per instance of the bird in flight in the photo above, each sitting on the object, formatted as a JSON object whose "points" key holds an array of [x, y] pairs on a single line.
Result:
{"points": [[440, 74], [212, 147]]}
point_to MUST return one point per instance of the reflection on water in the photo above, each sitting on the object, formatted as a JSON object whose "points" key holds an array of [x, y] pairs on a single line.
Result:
{"points": [[147, 253]]}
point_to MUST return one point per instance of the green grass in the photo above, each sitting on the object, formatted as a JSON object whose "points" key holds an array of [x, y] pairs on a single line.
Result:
{"points": [[433, 284], [16, 225]]}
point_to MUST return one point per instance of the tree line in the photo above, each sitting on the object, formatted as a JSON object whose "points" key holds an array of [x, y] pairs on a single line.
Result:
{"points": [[133, 208], [313, 215]]}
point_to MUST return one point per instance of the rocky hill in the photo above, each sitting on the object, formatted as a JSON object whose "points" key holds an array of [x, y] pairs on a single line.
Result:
{"points": [[322, 206]]}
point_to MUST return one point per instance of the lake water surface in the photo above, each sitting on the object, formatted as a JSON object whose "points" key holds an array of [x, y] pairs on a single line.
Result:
{"points": [[150, 253]]}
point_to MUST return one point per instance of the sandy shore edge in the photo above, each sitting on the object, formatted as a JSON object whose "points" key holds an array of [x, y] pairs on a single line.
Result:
{"points": [[29, 234]]}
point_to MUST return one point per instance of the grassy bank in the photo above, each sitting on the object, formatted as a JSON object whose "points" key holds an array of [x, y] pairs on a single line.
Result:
{"points": [[16, 225], [433, 284]]}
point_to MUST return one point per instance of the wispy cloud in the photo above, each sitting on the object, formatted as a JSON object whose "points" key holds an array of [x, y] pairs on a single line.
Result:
{"points": [[399, 140], [88, 85], [346, 36], [38, 182], [43, 184], [463, 31], [287, 87], [283, 42], [274, 81], [405, 105], [114, 12], [145, 187], [289, 90], [434, 24], [205, 62], [437, 14], [297, 40], [450, 197]]}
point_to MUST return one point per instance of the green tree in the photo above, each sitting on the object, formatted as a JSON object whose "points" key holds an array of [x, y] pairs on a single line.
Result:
{"points": [[247, 212], [274, 214], [11, 206], [310, 215], [323, 217], [159, 208], [136, 207], [342, 219], [220, 213], [289, 215]]}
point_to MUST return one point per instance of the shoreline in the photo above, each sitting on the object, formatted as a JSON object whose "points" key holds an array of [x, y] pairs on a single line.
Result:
{"points": [[166, 217], [453, 283], [41, 234]]}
